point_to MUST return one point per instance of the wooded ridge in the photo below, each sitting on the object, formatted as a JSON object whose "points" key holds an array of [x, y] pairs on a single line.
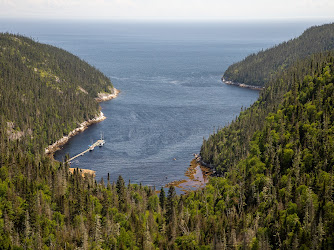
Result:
{"points": [[45, 91], [257, 69], [276, 161]]}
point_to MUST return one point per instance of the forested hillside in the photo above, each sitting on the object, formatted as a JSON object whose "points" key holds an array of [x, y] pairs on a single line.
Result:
{"points": [[275, 163], [45, 91], [257, 69]]}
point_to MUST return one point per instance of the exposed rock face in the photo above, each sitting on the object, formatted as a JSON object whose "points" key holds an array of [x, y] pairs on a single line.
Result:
{"points": [[83, 90], [101, 97], [15, 134], [242, 85]]}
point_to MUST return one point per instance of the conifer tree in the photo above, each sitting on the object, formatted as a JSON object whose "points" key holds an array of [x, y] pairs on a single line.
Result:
{"points": [[162, 198]]}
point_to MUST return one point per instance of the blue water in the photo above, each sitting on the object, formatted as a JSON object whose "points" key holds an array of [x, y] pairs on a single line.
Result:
{"points": [[172, 95]]}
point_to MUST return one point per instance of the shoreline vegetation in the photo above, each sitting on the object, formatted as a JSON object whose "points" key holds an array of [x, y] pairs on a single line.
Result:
{"points": [[241, 85], [197, 176], [84, 125]]}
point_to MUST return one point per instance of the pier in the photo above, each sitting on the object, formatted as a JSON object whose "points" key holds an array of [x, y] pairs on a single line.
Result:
{"points": [[99, 143]]}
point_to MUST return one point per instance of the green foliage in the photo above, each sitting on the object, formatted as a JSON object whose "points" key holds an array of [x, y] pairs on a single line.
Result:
{"points": [[162, 198], [258, 69], [45, 92], [281, 166], [273, 189]]}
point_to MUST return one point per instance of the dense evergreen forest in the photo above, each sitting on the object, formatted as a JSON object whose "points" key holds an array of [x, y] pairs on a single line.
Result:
{"points": [[45, 91], [273, 190], [276, 160], [257, 69]]}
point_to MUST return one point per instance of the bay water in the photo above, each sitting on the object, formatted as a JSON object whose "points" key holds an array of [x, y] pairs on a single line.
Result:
{"points": [[172, 96]]}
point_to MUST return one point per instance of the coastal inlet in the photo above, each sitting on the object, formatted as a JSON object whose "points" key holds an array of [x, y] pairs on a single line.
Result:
{"points": [[172, 96]]}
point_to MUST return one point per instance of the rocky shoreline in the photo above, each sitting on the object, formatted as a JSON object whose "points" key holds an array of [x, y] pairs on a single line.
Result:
{"points": [[102, 97], [242, 85], [84, 125], [197, 176], [204, 164]]}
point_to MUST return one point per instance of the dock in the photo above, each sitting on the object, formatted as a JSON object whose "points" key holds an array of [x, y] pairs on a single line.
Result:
{"points": [[90, 148]]}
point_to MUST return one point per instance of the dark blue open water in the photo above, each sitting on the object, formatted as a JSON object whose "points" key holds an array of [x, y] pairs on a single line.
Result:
{"points": [[172, 95]]}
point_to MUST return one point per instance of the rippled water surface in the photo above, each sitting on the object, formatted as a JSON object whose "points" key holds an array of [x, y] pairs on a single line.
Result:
{"points": [[172, 95]]}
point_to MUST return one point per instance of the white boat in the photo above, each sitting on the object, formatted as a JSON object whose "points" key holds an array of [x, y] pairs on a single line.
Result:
{"points": [[102, 141]]}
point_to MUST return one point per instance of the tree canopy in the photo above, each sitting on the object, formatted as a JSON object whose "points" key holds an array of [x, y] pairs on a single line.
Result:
{"points": [[274, 180], [45, 91], [257, 69]]}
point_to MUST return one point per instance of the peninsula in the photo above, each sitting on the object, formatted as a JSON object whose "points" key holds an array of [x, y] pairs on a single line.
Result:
{"points": [[259, 68]]}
